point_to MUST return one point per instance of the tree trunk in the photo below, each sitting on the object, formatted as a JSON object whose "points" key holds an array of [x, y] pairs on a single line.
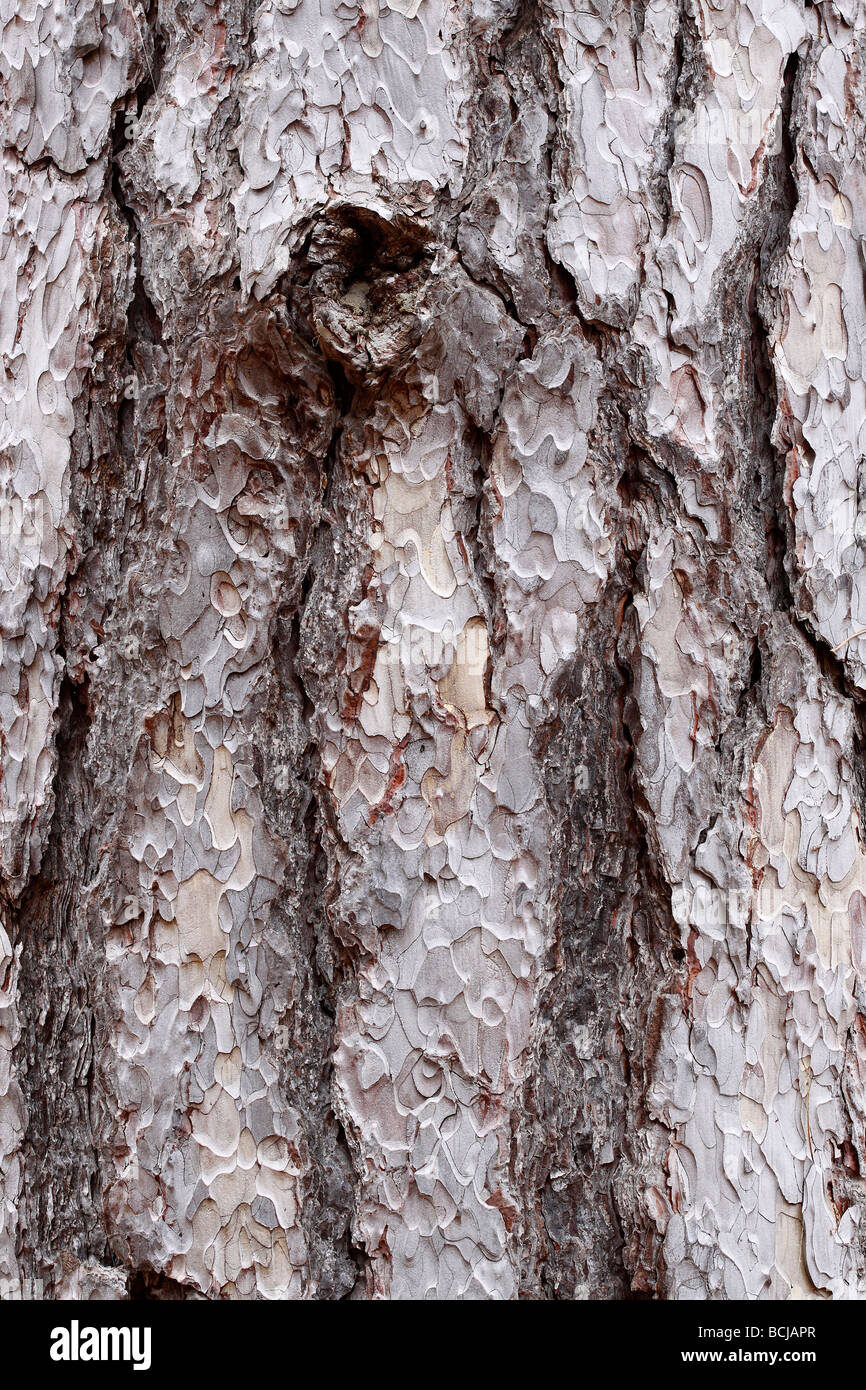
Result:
{"points": [[433, 670]]}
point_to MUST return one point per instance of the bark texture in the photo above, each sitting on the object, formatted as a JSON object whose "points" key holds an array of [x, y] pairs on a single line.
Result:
{"points": [[433, 649]]}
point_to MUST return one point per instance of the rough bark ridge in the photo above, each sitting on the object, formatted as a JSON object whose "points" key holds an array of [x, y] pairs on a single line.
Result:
{"points": [[433, 649]]}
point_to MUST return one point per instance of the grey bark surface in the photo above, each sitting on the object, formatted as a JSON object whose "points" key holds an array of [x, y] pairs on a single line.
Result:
{"points": [[432, 655]]}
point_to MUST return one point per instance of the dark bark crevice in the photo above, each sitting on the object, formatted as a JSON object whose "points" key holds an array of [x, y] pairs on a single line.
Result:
{"points": [[286, 765], [59, 990]]}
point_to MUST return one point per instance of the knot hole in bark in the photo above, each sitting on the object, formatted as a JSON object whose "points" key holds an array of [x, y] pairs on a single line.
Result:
{"points": [[368, 273]]}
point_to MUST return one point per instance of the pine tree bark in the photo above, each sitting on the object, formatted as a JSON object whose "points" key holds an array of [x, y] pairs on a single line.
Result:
{"points": [[433, 670]]}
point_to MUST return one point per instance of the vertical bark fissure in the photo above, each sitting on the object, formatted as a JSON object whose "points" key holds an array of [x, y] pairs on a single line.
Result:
{"points": [[60, 1207]]}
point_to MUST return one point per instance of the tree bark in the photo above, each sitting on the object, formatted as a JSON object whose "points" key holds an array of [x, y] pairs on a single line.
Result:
{"points": [[432, 655]]}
